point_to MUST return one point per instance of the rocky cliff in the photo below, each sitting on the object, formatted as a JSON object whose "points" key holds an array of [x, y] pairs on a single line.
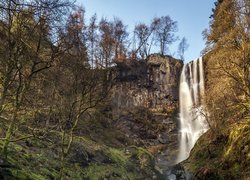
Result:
{"points": [[144, 102], [151, 83]]}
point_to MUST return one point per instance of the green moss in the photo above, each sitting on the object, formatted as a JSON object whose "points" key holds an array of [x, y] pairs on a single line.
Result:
{"points": [[40, 159], [25, 175], [118, 156], [237, 139], [37, 163], [224, 156], [111, 172]]}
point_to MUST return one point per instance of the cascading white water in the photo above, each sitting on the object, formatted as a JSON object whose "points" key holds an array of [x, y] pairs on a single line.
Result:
{"points": [[192, 122]]}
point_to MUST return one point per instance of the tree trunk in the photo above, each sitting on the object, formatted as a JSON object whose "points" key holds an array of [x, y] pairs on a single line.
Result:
{"points": [[60, 177], [9, 134]]}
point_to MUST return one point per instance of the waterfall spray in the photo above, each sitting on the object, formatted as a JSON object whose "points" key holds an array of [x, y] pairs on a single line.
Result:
{"points": [[192, 122]]}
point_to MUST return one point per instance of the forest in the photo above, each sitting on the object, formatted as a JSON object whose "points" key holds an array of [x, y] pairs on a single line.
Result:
{"points": [[60, 74]]}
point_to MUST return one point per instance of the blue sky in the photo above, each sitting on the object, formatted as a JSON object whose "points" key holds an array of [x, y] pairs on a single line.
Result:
{"points": [[192, 16]]}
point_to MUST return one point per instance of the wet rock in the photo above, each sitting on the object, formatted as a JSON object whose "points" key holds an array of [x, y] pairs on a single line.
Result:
{"points": [[163, 138], [172, 177], [180, 172], [1, 161]]}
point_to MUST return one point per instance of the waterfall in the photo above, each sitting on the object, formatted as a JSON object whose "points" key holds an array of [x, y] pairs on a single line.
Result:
{"points": [[192, 122]]}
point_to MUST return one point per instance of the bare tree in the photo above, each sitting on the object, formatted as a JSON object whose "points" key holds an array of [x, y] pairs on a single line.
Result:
{"points": [[120, 37], [92, 38], [77, 91], [182, 47], [25, 56], [143, 33], [107, 42], [74, 36], [164, 28]]}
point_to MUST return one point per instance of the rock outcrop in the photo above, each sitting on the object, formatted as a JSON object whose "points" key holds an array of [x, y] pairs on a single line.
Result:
{"points": [[151, 83], [144, 102]]}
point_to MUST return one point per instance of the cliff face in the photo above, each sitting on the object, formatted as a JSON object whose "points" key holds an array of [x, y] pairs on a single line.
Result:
{"points": [[152, 83], [144, 102]]}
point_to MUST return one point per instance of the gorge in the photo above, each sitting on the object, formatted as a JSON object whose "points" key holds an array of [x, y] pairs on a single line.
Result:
{"points": [[92, 98], [146, 128]]}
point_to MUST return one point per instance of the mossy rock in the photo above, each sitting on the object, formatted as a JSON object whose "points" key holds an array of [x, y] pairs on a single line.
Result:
{"points": [[222, 156]]}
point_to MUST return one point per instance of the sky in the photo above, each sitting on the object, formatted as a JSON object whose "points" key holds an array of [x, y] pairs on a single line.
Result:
{"points": [[192, 17]]}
